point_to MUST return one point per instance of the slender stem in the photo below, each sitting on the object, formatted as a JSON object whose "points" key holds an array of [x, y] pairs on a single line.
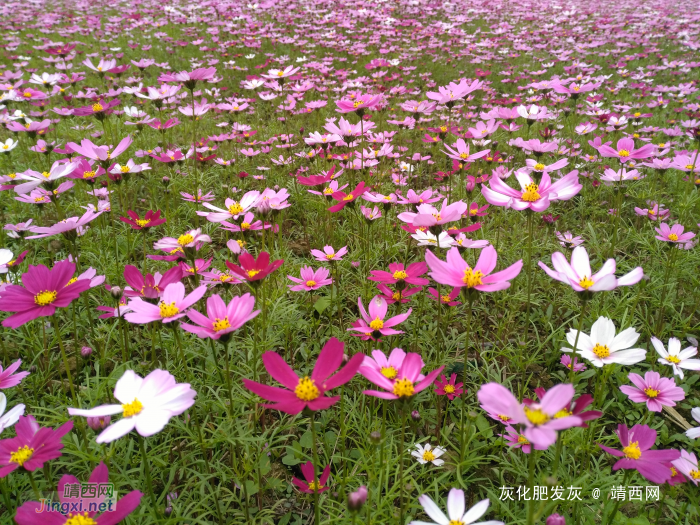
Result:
{"points": [[401, 482], [529, 270], [32, 481], [464, 372], [531, 484], [342, 440], [611, 517], [317, 509], [578, 333], [8, 502], [65, 359], [147, 473]]}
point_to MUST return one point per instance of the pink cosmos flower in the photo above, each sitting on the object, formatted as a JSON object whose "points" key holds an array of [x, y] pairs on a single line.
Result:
{"points": [[310, 279], [173, 305], [67, 227], [400, 276], [44, 290], [403, 384], [461, 152], [541, 420], [515, 439], [687, 464], [299, 393], [625, 150], [57, 171], [654, 390], [8, 378], [579, 276], [32, 446], [329, 254], [372, 325], [312, 485], [448, 299], [566, 361], [190, 78], [456, 272], [428, 215], [576, 407], [92, 151], [149, 286], [387, 367], [636, 453], [346, 198], [654, 212], [191, 239], [443, 387], [673, 234], [146, 404], [392, 296], [252, 269], [358, 104], [281, 74], [31, 127], [536, 197], [221, 319]]}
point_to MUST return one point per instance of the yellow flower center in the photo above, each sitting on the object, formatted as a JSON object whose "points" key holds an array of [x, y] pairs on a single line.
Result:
{"points": [[586, 283], [377, 324], [449, 389], [673, 359], [672, 237], [623, 153], [403, 388], [280, 73], [695, 474], [445, 298], [235, 209], [652, 392], [348, 197], [88, 174], [306, 390], [601, 351], [315, 486], [504, 418], [252, 273], [455, 522], [689, 166], [245, 226], [428, 455], [632, 451], [674, 472], [523, 440], [21, 455], [221, 324], [168, 310], [124, 169], [74, 279], [463, 155], [396, 296], [38, 199], [133, 408], [472, 278], [80, 519], [400, 274], [564, 412], [637, 114], [310, 283], [389, 372], [45, 174], [536, 416], [539, 166], [97, 107], [184, 240], [45, 298], [530, 194], [328, 191], [357, 103], [141, 222]]}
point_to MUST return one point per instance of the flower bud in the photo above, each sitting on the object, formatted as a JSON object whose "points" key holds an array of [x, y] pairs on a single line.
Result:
{"points": [[86, 351], [116, 291], [375, 437], [99, 423], [555, 519], [415, 415], [357, 499]]}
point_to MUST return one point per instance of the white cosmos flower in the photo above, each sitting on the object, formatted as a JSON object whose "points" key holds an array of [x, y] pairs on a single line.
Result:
{"points": [[675, 357], [428, 454], [425, 238], [694, 433], [147, 404], [9, 419], [455, 511], [8, 145], [603, 347]]}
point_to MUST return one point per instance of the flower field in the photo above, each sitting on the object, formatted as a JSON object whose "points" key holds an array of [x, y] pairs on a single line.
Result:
{"points": [[391, 262]]}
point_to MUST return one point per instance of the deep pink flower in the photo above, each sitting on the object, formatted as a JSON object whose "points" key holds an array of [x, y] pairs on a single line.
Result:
{"points": [[515, 439], [449, 299], [654, 390], [299, 393], [636, 453], [403, 384], [346, 198], [221, 319], [312, 485], [456, 272], [400, 276], [31, 514], [391, 296], [152, 285], [541, 420], [310, 279], [32, 446], [448, 388], [252, 269], [461, 152], [44, 290], [8, 378], [576, 407], [151, 219], [566, 361], [373, 325]]}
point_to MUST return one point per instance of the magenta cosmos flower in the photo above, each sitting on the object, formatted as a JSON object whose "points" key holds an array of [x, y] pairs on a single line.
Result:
{"points": [[448, 388], [635, 454], [625, 150], [346, 198], [401, 276], [8, 378], [221, 319], [312, 485], [456, 272], [252, 269], [32, 446], [541, 420], [190, 78], [146, 404], [172, 306], [403, 385], [673, 234], [579, 276], [515, 439], [151, 219], [44, 290], [310, 279], [300, 393], [461, 152], [149, 286], [372, 325], [531, 195], [329, 254], [35, 513], [654, 390]]}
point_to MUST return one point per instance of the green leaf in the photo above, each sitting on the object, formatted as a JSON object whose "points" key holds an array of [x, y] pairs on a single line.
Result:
{"points": [[306, 440], [321, 304], [290, 460], [285, 519]]}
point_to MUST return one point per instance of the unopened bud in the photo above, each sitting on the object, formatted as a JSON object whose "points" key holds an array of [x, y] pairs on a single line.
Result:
{"points": [[357, 499], [86, 351], [415, 415], [375, 437], [116, 291], [99, 423], [555, 519]]}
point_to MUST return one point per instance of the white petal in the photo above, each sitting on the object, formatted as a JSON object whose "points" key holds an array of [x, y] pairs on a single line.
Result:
{"points": [[628, 357], [603, 331], [432, 510], [476, 512], [659, 347], [624, 339], [116, 430], [128, 386], [152, 421], [455, 504]]}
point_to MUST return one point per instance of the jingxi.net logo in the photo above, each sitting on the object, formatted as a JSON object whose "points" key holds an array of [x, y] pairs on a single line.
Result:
{"points": [[81, 498]]}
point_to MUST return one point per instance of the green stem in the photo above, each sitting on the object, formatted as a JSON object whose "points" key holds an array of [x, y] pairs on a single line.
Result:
{"points": [[578, 333], [317, 509], [32, 481], [531, 484], [401, 482], [611, 517], [529, 270], [147, 473]]}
